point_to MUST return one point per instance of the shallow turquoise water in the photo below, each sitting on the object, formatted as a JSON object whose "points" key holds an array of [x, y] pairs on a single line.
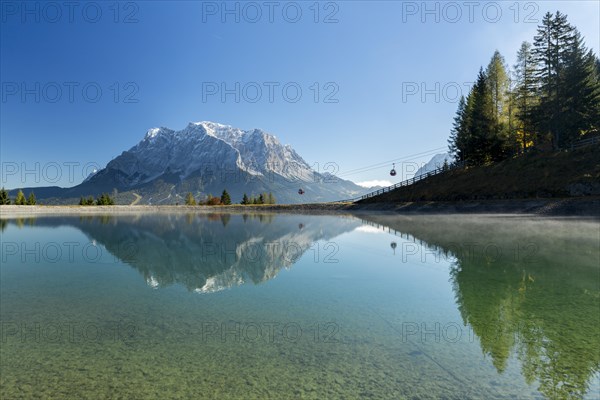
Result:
{"points": [[299, 306]]}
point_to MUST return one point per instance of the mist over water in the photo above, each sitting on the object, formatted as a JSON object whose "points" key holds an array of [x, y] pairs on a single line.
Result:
{"points": [[299, 306]]}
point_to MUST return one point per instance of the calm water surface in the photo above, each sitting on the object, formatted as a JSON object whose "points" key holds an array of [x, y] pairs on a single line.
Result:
{"points": [[299, 306]]}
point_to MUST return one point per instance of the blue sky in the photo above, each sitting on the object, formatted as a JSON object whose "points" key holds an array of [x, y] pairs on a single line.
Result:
{"points": [[82, 83]]}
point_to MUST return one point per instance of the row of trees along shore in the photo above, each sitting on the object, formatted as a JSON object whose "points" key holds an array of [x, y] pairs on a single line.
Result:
{"points": [[549, 100], [20, 199], [225, 199], [103, 200]]}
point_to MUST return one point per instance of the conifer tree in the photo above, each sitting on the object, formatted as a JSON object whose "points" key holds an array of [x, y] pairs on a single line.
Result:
{"points": [[498, 87], [552, 44], [31, 201], [4, 199], [245, 199], [225, 198], [105, 200], [483, 144], [524, 96], [457, 143], [20, 199], [190, 200], [582, 93]]}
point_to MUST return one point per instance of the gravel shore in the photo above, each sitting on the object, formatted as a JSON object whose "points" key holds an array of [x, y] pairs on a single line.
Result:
{"points": [[581, 206]]}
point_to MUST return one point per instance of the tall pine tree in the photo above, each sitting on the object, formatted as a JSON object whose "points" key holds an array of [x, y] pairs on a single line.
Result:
{"points": [[552, 46], [225, 198], [524, 96], [582, 93], [458, 142], [4, 199], [483, 144]]}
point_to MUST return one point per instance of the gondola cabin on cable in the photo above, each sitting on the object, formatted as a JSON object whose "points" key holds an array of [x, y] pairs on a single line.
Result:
{"points": [[300, 191], [393, 171]]}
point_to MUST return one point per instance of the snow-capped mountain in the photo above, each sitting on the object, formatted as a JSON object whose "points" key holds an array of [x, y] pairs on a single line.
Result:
{"points": [[207, 157], [202, 145], [436, 161]]}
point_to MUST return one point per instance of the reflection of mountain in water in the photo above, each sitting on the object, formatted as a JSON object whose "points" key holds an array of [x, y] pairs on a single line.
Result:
{"points": [[531, 287], [209, 252]]}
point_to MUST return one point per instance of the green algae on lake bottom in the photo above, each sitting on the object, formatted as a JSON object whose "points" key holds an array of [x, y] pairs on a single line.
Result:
{"points": [[299, 306]]}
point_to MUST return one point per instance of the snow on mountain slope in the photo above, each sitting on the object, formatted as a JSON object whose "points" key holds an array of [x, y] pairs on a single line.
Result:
{"points": [[436, 161], [209, 145]]}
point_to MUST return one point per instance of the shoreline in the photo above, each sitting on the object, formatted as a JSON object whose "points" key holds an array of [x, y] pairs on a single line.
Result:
{"points": [[556, 207], [567, 207]]}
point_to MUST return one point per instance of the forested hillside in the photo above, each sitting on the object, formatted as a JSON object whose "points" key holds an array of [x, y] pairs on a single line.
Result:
{"points": [[548, 99]]}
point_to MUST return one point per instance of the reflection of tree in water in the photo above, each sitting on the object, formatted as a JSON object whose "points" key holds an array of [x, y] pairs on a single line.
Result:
{"points": [[538, 295], [19, 222], [225, 219], [550, 320]]}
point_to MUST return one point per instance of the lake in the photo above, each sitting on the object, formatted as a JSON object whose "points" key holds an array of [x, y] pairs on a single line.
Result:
{"points": [[289, 306]]}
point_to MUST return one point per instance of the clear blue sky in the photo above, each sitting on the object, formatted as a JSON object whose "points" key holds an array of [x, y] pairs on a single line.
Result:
{"points": [[168, 56]]}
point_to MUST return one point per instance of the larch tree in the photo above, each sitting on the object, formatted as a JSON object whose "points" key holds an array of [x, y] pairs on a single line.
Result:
{"points": [[190, 200], [524, 95], [20, 199], [498, 87]]}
